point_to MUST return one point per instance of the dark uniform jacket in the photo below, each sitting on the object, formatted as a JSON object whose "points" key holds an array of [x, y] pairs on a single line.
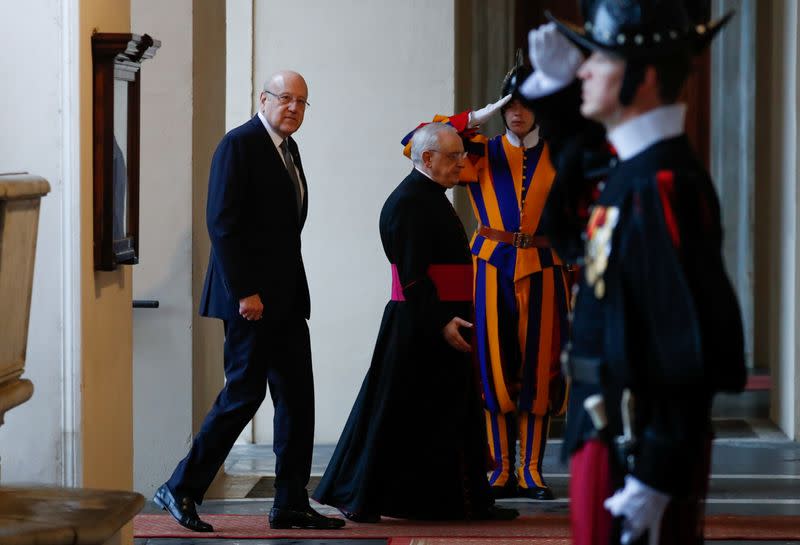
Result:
{"points": [[657, 311]]}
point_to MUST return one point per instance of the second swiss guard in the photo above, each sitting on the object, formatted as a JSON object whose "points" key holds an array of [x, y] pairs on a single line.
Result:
{"points": [[521, 292]]}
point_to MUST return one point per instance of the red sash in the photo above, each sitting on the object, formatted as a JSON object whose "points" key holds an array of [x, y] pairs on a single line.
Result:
{"points": [[453, 282]]}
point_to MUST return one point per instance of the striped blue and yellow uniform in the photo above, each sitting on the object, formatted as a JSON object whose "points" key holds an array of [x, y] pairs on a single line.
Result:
{"points": [[521, 303]]}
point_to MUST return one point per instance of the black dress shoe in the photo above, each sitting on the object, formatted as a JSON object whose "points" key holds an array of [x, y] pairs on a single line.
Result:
{"points": [[182, 510], [367, 518], [536, 493], [307, 518], [494, 512], [508, 490]]}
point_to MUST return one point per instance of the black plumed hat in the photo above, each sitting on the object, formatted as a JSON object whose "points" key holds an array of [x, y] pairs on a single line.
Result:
{"points": [[641, 29]]}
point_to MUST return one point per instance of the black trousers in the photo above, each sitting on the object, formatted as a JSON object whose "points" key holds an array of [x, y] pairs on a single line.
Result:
{"points": [[258, 353]]}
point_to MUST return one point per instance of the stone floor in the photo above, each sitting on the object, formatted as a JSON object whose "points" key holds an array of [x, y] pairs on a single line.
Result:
{"points": [[755, 470]]}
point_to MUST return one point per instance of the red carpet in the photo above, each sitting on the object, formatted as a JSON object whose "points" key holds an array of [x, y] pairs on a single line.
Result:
{"points": [[477, 541], [758, 382], [555, 527]]}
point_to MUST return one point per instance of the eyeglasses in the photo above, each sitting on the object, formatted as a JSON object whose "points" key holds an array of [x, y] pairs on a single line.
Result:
{"points": [[452, 155], [286, 98]]}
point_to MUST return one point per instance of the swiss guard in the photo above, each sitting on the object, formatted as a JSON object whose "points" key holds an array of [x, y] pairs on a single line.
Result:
{"points": [[521, 291], [657, 328]]}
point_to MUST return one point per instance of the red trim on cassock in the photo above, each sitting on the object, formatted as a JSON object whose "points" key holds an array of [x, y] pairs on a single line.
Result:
{"points": [[666, 190], [453, 282]]}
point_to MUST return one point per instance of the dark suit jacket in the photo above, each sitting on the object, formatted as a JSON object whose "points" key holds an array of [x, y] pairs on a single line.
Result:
{"points": [[254, 227]]}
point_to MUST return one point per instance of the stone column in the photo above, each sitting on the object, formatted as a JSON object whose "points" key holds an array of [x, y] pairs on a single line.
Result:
{"points": [[484, 53], [733, 113]]}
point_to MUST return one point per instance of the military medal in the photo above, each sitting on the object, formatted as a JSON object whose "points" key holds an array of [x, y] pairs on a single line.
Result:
{"points": [[598, 246]]}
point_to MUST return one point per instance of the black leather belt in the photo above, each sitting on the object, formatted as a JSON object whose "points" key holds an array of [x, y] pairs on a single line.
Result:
{"points": [[585, 370]]}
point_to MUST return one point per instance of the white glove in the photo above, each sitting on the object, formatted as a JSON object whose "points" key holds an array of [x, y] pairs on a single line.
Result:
{"points": [[555, 61], [643, 508], [479, 117]]}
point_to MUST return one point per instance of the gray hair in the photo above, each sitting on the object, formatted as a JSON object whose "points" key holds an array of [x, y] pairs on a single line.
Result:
{"points": [[427, 138]]}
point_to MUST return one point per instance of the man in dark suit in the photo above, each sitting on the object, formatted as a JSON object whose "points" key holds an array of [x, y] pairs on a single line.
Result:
{"points": [[256, 284]]}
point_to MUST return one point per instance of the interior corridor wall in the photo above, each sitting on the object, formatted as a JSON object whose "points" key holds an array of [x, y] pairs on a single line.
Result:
{"points": [[106, 387], [374, 70], [777, 258], [787, 16], [484, 44], [77, 428], [32, 139], [208, 127], [162, 338]]}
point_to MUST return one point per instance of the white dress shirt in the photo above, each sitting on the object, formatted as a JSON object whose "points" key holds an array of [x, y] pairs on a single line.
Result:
{"points": [[277, 140]]}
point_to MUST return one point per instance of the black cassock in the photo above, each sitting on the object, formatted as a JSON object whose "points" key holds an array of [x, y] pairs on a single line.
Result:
{"points": [[414, 445]]}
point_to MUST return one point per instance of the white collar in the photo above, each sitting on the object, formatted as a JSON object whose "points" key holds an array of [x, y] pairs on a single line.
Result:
{"points": [[530, 140], [276, 138], [636, 135], [428, 176]]}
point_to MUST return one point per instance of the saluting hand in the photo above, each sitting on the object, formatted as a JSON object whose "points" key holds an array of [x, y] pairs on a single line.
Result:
{"points": [[479, 117], [250, 307], [555, 61], [453, 336]]}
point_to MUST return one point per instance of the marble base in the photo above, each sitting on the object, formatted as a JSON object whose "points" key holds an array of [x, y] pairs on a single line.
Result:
{"points": [[64, 516]]}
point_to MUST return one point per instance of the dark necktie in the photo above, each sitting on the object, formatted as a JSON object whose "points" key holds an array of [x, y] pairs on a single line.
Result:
{"points": [[287, 157]]}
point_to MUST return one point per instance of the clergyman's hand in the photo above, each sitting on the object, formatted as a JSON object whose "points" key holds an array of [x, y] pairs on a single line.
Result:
{"points": [[453, 336], [250, 307]]}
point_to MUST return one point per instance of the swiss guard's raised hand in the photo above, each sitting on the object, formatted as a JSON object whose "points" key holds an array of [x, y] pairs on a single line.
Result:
{"points": [[643, 508], [555, 62], [479, 117]]}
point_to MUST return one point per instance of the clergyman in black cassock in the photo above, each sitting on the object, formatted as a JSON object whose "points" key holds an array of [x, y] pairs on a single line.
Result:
{"points": [[414, 445]]}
